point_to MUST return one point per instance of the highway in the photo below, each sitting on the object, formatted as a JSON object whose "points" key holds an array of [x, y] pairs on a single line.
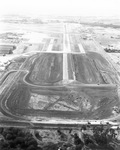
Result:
{"points": [[74, 84]]}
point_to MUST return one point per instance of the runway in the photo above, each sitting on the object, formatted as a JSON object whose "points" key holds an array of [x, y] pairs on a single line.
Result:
{"points": [[73, 84]]}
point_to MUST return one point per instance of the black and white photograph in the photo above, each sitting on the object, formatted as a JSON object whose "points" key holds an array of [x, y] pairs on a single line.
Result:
{"points": [[60, 75]]}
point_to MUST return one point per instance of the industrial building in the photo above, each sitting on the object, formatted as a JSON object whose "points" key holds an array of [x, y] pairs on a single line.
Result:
{"points": [[7, 49]]}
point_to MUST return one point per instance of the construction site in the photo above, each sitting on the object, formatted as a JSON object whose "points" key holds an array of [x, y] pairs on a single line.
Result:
{"points": [[58, 81]]}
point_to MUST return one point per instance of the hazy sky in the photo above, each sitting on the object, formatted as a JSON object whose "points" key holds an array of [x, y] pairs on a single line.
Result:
{"points": [[61, 7]]}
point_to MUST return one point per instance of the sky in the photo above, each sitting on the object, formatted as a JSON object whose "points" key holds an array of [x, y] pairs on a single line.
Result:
{"points": [[61, 7]]}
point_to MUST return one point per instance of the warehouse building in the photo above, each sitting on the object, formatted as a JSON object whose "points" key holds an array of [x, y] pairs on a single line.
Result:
{"points": [[7, 49]]}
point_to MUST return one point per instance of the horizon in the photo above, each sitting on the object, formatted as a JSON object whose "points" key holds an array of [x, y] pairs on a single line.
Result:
{"points": [[86, 8]]}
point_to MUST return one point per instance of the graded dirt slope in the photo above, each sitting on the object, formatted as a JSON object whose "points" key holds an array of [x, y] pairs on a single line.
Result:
{"points": [[42, 93], [46, 69]]}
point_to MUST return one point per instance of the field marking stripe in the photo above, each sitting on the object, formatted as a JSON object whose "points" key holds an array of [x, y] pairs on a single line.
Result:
{"points": [[81, 48]]}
